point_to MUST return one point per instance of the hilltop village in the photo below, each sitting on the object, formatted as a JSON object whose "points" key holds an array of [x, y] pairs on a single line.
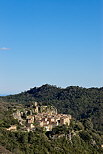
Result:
{"points": [[39, 116]]}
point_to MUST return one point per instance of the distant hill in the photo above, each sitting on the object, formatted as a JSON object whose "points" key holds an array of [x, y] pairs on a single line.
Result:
{"points": [[81, 103]]}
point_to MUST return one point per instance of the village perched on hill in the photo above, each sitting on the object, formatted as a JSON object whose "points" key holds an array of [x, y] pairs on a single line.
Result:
{"points": [[39, 116]]}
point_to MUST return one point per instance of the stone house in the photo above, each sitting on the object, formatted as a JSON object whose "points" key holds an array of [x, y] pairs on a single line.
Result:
{"points": [[30, 119], [12, 128]]}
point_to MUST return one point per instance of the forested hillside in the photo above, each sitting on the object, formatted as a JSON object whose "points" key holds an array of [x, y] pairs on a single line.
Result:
{"points": [[75, 139], [83, 104]]}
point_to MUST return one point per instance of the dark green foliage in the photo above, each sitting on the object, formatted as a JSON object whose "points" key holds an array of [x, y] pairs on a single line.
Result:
{"points": [[80, 102], [83, 136], [78, 126], [6, 120], [84, 142], [88, 123], [60, 130], [73, 139]]}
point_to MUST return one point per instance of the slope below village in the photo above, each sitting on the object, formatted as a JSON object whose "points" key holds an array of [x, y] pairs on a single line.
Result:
{"points": [[51, 119]]}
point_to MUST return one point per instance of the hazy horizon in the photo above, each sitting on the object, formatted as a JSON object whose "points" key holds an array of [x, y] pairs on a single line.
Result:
{"points": [[17, 92]]}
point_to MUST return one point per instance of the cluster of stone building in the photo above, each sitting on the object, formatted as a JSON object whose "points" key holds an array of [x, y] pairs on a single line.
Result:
{"points": [[48, 121], [41, 116]]}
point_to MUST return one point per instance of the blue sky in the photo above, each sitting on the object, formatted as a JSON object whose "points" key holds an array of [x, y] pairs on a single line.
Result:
{"points": [[58, 42]]}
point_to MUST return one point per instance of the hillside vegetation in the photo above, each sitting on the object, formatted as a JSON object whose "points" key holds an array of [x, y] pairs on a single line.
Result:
{"points": [[83, 136], [84, 104]]}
